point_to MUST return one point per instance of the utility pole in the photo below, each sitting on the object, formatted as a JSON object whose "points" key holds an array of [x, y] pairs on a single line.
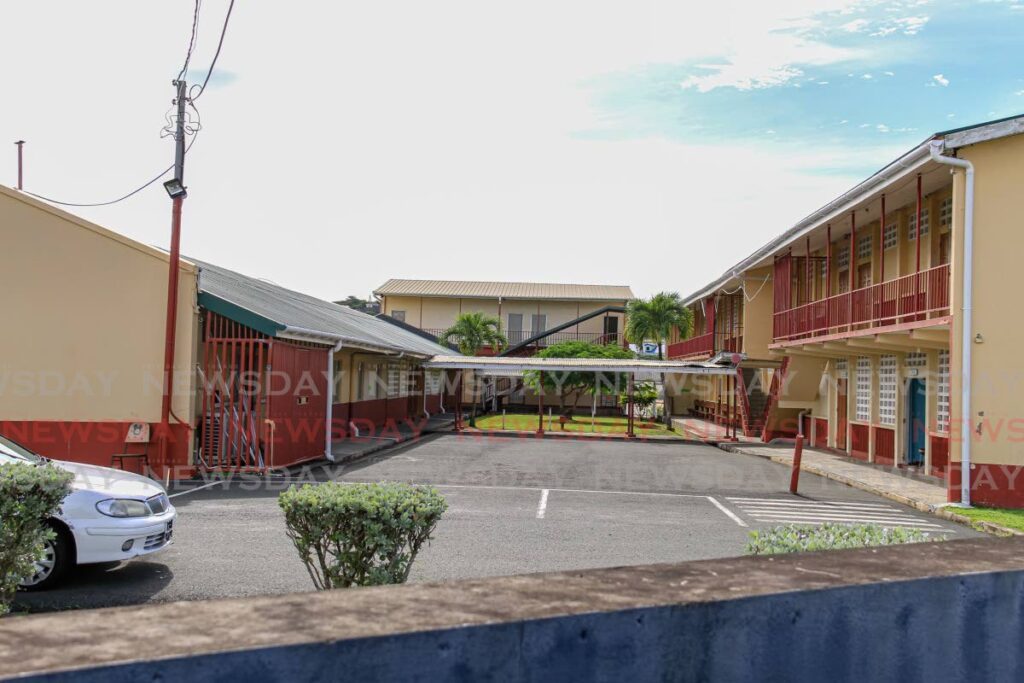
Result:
{"points": [[176, 189]]}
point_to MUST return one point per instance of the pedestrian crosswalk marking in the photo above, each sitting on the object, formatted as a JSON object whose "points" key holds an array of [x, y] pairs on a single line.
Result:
{"points": [[797, 511]]}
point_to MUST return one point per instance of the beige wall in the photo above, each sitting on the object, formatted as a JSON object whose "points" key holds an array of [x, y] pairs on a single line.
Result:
{"points": [[758, 313], [998, 367], [82, 315], [441, 312]]}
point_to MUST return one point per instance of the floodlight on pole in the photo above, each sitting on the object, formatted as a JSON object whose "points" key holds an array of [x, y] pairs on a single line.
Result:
{"points": [[175, 188]]}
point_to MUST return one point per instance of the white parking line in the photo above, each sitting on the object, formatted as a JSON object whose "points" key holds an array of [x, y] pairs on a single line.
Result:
{"points": [[198, 488], [806, 511], [732, 515], [543, 504]]}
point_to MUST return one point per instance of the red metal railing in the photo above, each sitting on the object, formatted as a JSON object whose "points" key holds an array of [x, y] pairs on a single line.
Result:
{"points": [[704, 343], [904, 299]]}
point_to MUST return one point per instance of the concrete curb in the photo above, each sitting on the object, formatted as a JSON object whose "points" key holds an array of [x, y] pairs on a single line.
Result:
{"points": [[921, 506]]}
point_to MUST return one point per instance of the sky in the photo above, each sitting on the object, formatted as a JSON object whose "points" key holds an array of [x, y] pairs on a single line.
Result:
{"points": [[341, 144]]}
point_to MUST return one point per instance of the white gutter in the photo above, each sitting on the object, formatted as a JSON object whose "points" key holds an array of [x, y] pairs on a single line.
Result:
{"points": [[966, 339], [330, 399]]}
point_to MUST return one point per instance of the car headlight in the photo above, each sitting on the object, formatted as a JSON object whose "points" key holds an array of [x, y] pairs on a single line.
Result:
{"points": [[123, 507]]}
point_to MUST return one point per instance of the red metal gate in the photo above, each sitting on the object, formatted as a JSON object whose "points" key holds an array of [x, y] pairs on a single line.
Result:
{"points": [[236, 361]]}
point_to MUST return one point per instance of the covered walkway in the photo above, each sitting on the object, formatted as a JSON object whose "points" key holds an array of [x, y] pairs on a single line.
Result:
{"points": [[632, 368]]}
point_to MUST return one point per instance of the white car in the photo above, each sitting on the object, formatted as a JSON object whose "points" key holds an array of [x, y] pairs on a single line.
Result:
{"points": [[109, 516]]}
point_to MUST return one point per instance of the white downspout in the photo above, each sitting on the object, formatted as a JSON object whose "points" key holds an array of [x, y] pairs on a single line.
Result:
{"points": [[330, 400], [935, 149]]}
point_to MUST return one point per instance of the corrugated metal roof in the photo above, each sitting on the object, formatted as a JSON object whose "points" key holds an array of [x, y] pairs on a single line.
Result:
{"points": [[300, 315], [472, 289], [653, 368]]}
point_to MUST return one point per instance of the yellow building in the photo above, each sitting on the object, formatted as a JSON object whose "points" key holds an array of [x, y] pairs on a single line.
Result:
{"points": [[263, 376], [865, 307], [555, 312]]}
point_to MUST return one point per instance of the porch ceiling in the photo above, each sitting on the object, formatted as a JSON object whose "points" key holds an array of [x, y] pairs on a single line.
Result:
{"points": [[934, 335]]}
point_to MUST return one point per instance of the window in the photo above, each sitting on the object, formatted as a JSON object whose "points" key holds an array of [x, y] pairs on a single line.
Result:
{"points": [[912, 224], [394, 375], [887, 390], [863, 379], [843, 257], [916, 360], [942, 395], [368, 381], [539, 321], [864, 243], [890, 237], [398, 315], [946, 213], [432, 382]]}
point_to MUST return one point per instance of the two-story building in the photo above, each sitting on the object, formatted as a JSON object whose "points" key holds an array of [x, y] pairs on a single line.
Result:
{"points": [[538, 313], [889, 314]]}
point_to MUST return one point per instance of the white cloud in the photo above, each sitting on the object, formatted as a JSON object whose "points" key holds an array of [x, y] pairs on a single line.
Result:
{"points": [[888, 73], [882, 128], [867, 77], [941, 80], [826, 83], [1019, 93], [855, 26]]}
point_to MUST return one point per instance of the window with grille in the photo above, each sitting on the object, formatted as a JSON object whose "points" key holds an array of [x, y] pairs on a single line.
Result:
{"points": [[916, 360], [864, 243], [942, 395], [843, 257], [887, 390], [863, 404], [398, 315], [945, 213], [368, 380], [912, 224], [890, 237], [394, 379], [432, 382]]}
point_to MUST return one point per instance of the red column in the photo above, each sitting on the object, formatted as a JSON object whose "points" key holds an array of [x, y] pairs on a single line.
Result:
{"points": [[918, 229], [828, 276], [881, 243], [852, 262]]}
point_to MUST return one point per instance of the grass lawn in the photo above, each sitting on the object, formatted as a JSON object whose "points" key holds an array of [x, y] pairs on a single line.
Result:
{"points": [[1013, 519], [581, 423]]}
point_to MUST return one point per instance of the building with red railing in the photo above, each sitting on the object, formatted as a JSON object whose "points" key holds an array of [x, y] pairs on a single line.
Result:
{"points": [[863, 306]]}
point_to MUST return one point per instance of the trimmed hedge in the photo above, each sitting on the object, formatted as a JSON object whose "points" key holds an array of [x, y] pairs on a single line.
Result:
{"points": [[360, 534], [29, 496], [798, 538]]}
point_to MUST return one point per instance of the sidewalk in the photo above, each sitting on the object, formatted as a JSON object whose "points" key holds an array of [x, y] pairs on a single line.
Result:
{"points": [[356, 447], [921, 495], [705, 430]]}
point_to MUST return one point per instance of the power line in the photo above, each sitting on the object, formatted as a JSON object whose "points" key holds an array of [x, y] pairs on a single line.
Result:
{"points": [[191, 40], [119, 199], [220, 44]]}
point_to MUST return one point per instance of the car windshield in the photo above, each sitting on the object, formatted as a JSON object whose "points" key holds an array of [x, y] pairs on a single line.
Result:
{"points": [[11, 452]]}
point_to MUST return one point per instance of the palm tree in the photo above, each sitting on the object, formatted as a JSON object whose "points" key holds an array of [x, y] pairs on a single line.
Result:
{"points": [[653, 319], [471, 332]]}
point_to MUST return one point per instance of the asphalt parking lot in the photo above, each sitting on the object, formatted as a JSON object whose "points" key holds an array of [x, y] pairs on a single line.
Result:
{"points": [[516, 505]]}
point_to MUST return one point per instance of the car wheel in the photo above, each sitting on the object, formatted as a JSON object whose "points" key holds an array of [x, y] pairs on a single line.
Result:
{"points": [[49, 569]]}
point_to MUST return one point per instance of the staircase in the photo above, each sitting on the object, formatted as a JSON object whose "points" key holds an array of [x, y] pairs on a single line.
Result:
{"points": [[754, 402]]}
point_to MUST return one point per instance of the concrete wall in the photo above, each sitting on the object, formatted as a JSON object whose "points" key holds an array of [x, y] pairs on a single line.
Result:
{"points": [[441, 312], [998, 368], [924, 612]]}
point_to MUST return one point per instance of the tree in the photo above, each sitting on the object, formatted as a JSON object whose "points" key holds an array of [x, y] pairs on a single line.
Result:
{"points": [[653, 319], [569, 386], [355, 303], [471, 332], [645, 395]]}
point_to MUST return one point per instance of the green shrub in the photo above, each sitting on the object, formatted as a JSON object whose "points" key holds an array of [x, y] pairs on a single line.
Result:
{"points": [[29, 496], [360, 534], [798, 538]]}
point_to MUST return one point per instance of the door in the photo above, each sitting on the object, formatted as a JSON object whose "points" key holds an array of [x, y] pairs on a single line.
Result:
{"points": [[916, 421], [515, 328], [611, 329], [841, 385]]}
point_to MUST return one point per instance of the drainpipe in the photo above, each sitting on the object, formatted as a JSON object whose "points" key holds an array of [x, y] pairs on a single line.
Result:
{"points": [[800, 422], [330, 399], [935, 149]]}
